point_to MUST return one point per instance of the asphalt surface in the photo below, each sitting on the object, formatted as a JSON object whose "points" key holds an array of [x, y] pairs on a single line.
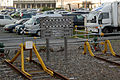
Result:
{"points": [[13, 39]]}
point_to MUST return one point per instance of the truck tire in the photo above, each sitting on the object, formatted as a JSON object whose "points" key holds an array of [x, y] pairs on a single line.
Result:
{"points": [[38, 33], [107, 30]]}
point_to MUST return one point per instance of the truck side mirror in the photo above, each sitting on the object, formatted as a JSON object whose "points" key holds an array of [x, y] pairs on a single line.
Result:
{"points": [[35, 23]]}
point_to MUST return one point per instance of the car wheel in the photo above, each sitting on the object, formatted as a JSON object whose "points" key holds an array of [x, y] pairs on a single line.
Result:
{"points": [[38, 33], [20, 32]]}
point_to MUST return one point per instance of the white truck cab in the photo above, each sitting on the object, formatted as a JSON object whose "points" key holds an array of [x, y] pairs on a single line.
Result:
{"points": [[107, 15]]}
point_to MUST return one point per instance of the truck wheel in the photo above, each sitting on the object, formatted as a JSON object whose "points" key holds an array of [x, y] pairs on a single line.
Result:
{"points": [[38, 33], [105, 30]]}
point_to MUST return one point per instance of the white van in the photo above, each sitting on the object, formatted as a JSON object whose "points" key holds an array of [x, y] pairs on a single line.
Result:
{"points": [[5, 20], [32, 26]]}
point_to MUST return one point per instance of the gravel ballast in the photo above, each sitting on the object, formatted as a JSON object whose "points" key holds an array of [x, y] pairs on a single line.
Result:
{"points": [[77, 66]]}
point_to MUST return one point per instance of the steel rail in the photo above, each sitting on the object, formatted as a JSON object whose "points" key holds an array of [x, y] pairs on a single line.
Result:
{"points": [[56, 74], [17, 70], [109, 61]]}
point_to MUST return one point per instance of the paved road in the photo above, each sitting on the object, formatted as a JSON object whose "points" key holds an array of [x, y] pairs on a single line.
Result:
{"points": [[13, 39]]}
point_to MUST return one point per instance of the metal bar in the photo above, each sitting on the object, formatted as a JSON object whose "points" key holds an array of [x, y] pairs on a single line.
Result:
{"points": [[30, 54], [14, 58]]}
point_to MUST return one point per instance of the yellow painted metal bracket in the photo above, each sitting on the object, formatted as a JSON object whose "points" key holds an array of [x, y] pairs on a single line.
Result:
{"points": [[89, 49], [22, 61], [21, 51], [13, 59], [41, 61], [110, 47]]}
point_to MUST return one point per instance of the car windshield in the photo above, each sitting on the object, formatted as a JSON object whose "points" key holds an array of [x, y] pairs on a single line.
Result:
{"points": [[31, 21], [26, 16]]}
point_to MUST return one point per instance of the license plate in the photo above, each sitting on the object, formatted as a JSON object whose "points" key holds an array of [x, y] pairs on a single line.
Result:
{"points": [[14, 30]]}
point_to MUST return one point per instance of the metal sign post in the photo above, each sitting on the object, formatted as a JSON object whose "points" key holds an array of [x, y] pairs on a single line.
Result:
{"points": [[22, 32], [47, 49], [65, 47], [56, 27]]}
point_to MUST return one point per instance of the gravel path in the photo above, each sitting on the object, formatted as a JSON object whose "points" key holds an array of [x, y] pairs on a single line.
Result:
{"points": [[78, 66]]}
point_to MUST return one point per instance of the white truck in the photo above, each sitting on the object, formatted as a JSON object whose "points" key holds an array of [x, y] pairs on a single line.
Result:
{"points": [[106, 17]]}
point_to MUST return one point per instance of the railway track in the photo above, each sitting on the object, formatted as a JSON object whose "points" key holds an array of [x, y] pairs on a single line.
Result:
{"points": [[33, 68], [7, 73], [111, 57], [115, 60]]}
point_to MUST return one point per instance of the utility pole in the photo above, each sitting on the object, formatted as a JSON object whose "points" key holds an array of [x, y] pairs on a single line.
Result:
{"points": [[18, 3], [100, 2], [61, 4], [86, 4], [55, 3], [34, 3]]}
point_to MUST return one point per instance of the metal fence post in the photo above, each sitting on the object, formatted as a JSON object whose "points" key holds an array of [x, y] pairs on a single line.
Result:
{"points": [[47, 49], [65, 47], [23, 38]]}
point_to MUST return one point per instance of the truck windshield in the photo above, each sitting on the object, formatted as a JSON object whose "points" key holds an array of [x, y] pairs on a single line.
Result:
{"points": [[92, 17]]}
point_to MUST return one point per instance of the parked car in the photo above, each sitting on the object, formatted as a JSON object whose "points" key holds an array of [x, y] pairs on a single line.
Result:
{"points": [[78, 19], [50, 14], [32, 26], [26, 15], [16, 15], [11, 27], [5, 20], [19, 29], [82, 12], [4, 12], [63, 12]]}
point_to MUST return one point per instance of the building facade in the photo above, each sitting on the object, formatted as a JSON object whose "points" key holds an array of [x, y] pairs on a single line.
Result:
{"points": [[34, 3], [6, 3], [78, 3]]}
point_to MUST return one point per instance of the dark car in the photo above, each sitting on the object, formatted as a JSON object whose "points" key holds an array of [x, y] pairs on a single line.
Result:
{"points": [[26, 15], [19, 29], [11, 27], [78, 19]]}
